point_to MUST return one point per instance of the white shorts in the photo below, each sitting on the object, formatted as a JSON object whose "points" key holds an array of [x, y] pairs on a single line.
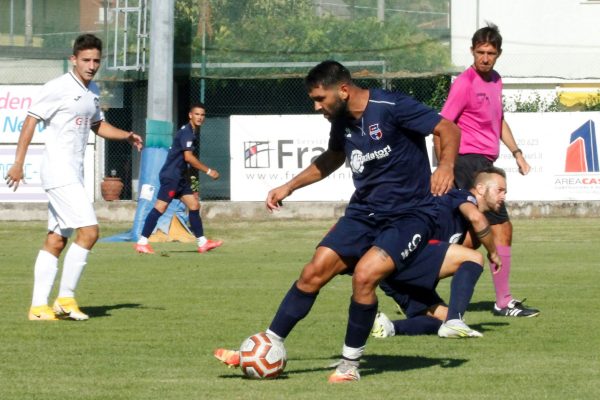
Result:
{"points": [[69, 209]]}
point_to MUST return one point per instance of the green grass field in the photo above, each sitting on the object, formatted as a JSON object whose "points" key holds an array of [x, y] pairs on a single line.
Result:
{"points": [[155, 321]]}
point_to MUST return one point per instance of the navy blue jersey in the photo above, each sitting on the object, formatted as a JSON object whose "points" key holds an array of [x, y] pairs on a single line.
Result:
{"points": [[175, 166], [452, 226], [387, 154]]}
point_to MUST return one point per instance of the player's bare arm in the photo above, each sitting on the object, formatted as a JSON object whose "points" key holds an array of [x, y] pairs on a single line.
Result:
{"points": [[107, 131], [482, 230], [322, 167], [509, 141], [15, 174], [191, 159], [442, 179]]}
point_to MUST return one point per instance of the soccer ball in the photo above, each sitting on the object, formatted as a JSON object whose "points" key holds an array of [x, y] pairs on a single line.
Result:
{"points": [[261, 357]]}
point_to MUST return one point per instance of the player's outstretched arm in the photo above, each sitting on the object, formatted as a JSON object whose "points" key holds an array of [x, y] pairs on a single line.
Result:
{"points": [[107, 131], [324, 165], [15, 174], [442, 179]]}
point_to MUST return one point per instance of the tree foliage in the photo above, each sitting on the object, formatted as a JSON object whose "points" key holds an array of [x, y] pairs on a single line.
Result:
{"points": [[291, 30]]}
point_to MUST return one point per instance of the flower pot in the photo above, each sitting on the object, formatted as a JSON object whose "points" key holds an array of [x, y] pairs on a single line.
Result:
{"points": [[111, 188]]}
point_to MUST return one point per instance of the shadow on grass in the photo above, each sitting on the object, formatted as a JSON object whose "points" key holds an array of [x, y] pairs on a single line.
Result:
{"points": [[482, 306], [376, 364], [104, 311]]}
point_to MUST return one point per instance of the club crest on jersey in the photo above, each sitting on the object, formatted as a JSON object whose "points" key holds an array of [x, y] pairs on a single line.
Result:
{"points": [[375, 132]]}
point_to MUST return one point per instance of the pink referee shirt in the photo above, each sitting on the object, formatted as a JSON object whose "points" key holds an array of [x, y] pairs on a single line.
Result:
{"points": [[475, 106]]}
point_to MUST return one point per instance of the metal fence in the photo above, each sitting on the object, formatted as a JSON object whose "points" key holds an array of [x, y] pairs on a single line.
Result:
{"points": [[237, 56]]}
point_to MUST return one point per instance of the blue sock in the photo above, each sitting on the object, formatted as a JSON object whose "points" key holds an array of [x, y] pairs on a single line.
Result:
{"points": [[295, 306], [419, 325], [150, 224], [462, 287], [196, 223], [360, 322]]}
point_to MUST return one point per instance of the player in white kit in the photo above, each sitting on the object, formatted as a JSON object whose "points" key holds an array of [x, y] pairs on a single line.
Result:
{"points": [[69, 107]]}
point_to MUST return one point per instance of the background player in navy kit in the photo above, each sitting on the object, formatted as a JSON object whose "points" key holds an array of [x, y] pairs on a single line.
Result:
{"points": [[382, 134], [69, 106], [175, 183], [461, 214]]}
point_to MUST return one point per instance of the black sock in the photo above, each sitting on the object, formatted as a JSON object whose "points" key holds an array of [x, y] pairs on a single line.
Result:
{"points": [[419, 325], [150, 223], [295, 306], [360, 322], [461, 288]]}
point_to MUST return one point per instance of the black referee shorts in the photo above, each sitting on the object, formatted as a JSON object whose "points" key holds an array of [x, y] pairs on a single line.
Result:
{"points": [[465, 168]]}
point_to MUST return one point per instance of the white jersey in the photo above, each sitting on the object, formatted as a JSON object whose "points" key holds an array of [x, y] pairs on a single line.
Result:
{"points": [[68, 110]]}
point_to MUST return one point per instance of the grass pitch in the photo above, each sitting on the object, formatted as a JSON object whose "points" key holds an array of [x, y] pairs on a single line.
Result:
{"points": [[155, 321]]}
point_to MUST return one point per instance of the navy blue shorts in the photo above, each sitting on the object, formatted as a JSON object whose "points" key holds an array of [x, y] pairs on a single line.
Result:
{"points": [[173, 189], [414, 300], [402, 238], [465, 168], [414, 286]]}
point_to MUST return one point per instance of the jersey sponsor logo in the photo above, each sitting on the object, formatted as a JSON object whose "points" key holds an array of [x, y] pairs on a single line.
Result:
{"points": [[358, 159], [77, 98], [375, 132], [189, 143], [412, 246], [85, 121], [472, 199]]}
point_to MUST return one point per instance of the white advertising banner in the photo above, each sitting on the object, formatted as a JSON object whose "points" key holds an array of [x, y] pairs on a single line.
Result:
{"points": [[32, 191], [562, 151], [14, 103], [267, 151]]}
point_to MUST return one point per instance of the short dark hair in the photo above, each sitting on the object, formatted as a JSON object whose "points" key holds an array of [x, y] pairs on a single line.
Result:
{"points": [[490, 34], [86, 41], [483, 174], [197, 104], [327, 74]]}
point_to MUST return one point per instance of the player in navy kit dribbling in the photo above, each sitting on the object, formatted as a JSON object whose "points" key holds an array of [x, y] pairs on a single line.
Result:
{"points": [[392, 212], [175, 183]]}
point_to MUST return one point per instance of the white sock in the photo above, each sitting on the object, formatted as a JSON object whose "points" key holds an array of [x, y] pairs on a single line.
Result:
{"points": [[73, 266], [44, 273], [202, 240], [274, 336], [142, 240], [352, 353]]}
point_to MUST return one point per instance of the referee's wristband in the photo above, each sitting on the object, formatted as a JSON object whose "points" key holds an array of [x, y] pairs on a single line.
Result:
{"points": [[517, 151], [210, 170]]}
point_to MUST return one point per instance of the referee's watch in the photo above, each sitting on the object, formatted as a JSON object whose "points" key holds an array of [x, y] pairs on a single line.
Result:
{"points": [[517, 151]]}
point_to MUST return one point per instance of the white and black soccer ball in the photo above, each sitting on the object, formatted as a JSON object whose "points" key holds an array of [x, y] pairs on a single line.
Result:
{"points": [[261, 357]]}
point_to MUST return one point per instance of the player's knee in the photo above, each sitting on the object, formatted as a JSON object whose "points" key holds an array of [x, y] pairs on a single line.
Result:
{"points": [[478, 258], [313, 277], [87, 236], [55, 243], [364, 281]]}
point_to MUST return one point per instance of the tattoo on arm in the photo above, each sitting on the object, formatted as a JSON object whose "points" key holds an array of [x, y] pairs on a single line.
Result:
{"points": [[484, 232]]}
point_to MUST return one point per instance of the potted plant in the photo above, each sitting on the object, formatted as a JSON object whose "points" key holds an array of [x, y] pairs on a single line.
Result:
{"points": [[111, 187]]}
